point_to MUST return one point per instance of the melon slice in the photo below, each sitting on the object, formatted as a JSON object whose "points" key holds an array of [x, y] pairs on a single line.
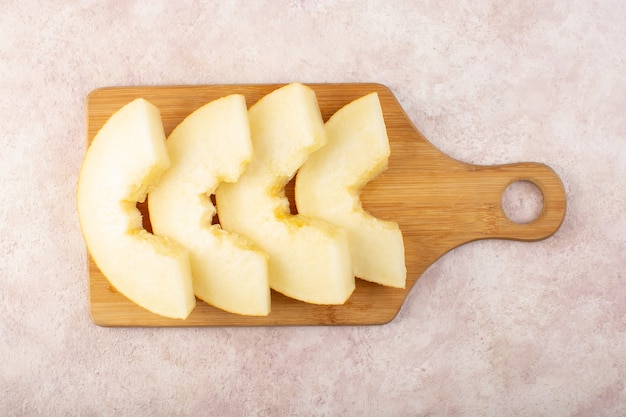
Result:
{"points": [[209, 146], [329, 183], [126, 157], [309, 259]]}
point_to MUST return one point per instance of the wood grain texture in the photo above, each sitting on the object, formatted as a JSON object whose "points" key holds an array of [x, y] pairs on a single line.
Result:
{"points": [[439, 203]]}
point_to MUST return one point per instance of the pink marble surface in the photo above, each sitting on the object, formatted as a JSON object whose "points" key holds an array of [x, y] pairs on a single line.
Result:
{"points": [[494, 328]]}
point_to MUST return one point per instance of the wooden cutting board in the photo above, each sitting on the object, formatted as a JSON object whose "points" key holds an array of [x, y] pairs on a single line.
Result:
{"points": [[439, 203]]}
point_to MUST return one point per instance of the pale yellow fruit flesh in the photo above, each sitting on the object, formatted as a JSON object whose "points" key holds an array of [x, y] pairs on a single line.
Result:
{"points": [[125, 158], [329, 183], [309, 259], [209, 146]]}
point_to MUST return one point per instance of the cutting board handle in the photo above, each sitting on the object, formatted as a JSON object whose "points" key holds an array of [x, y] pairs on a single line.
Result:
{"points": [[492, 181]]}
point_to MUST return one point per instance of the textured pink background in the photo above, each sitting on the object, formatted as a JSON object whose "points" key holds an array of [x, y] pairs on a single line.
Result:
{"points": [[494, 328]]}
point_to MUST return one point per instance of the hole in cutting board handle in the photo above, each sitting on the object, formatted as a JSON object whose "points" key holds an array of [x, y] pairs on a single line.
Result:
{"points": [[522, 202]]}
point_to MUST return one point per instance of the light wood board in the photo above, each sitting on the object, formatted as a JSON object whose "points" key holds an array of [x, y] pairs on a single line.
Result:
{"points": [[439, 203]]}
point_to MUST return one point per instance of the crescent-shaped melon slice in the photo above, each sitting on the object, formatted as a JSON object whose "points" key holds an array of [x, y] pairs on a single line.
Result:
{"points": [[329, 182], [209, 146], [309, 259], [126, 157]]}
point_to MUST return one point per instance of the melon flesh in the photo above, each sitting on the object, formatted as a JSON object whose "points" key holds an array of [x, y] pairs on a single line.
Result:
{"points": [[309, 259], [125, 159], [329, 183], [210, 146]]}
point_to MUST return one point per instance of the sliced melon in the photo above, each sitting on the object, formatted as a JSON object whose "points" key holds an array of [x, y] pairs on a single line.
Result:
{"points": [[309, 259], [329, 183], [209, 146], [126, 157]]}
